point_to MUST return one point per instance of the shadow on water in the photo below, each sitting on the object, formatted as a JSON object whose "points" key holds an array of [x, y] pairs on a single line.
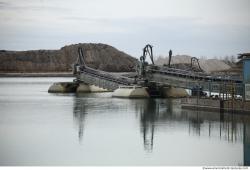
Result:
{"points": [[155, 114]]}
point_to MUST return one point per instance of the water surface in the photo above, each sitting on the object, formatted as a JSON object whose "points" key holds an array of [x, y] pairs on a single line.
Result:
{"points": [[38, 128]]}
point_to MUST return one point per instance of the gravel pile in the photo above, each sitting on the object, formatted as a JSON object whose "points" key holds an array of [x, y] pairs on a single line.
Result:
{"points": [[210, 65], [98, 56]]}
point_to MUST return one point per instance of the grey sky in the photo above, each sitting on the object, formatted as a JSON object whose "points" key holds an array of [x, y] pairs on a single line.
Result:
{"points": [[195, 27]]}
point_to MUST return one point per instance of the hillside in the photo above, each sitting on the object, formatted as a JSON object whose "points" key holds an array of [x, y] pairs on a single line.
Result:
{"points": [[99, 56]]}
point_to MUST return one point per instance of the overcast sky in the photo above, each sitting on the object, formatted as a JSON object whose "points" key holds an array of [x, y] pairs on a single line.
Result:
{"points": [[194, 27]]}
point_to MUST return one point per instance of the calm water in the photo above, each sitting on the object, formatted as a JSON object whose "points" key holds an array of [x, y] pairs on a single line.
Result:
{"points": [[38, 128]]}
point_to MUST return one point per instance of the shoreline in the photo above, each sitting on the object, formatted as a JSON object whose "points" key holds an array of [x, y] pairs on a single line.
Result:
{"points": [[49, 74]]}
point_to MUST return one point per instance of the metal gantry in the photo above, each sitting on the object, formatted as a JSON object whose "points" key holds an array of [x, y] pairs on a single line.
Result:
{"points": [[189, 79], [159, 76]]}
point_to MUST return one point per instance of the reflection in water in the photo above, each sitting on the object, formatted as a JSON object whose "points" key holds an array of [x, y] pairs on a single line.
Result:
{"points": [[152, 113], [224, 126], [155, 114], [148, 113], [111, 131], [79, 115], [246, 144]]}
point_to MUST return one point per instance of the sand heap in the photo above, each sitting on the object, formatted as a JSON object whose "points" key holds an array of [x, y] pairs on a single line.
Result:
{"points": [[210, 65], [98, 56]]}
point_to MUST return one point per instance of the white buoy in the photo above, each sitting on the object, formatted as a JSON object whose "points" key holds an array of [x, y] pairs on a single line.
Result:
{"points": [[174, 92], [83, 88], [131, 92], [63, 87], [94, 88]]}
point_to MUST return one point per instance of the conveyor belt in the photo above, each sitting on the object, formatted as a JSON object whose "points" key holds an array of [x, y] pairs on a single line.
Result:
{"points": [[188, 80], [193, 75], [102, 79], [162, 77]]}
